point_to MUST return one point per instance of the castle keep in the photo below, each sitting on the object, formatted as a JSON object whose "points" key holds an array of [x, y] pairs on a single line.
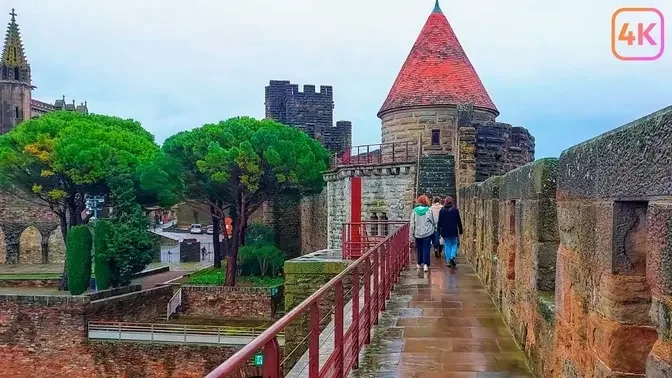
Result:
{"points": [[310, 111]]}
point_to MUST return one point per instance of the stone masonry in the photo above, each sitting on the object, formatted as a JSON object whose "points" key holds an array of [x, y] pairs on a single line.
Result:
{"points": [[387, 193], [310, 111], [575, 250]]}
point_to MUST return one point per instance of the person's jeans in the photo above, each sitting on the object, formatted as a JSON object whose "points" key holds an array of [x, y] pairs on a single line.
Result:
{"points": [[422, 245], [450, 245]]}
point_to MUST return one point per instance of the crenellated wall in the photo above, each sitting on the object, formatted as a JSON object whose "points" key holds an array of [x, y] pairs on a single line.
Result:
{"points": [[576, 252]]}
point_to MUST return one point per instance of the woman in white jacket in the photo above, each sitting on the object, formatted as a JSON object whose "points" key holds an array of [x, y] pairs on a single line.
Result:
{"points": [[423, 226]]}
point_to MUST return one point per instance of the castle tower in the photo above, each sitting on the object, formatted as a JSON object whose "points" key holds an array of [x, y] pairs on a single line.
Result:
{"points": [[436, 77], [15, 80]]}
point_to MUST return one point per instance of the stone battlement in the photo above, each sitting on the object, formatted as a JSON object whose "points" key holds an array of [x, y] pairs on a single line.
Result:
{"points": [[573, 251]]}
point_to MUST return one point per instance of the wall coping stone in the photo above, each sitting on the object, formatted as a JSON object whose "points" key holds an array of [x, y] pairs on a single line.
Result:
{"points": [[46, 299], [628, 163]]}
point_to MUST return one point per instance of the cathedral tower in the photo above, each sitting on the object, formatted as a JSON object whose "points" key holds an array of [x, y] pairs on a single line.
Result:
{"points": [[436, 77], [15, 80]]}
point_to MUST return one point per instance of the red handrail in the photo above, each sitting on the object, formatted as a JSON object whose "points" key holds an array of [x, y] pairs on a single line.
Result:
{"points": [[372, 154], [359, 237], [381, 266]]}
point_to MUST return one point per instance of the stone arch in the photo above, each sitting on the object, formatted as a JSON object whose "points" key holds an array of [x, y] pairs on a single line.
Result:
{"points": [[55, 247], [3, 248], [30, 246]]}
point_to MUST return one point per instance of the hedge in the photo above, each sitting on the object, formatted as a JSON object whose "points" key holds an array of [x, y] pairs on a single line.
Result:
{"points": [[78, 258]]}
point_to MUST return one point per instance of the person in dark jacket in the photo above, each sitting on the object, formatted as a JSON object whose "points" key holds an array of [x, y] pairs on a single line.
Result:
{"points": [[450, 229]]}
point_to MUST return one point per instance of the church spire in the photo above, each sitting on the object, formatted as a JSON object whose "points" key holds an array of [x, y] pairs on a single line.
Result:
{"points": [[437, 8], [13, 55]]}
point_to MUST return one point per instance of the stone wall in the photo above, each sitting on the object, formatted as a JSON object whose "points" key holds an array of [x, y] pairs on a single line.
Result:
{"points": [[140, 306], [229, 302], [408, 125], [575, 252], [30, 233], [314, 216], [46, 336], [512, 240], [303, 277], [387, 191], [614, 277]]}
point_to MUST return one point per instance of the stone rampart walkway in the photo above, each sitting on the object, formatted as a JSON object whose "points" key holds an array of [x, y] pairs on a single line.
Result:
{"points": [[442, 324]]}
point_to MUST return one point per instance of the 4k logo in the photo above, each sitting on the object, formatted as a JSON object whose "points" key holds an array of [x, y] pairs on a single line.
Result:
{"points": [[638, 34]]}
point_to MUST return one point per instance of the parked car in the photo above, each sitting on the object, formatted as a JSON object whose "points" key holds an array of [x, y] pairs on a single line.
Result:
{"points": [[210, 230], [196, 229]]}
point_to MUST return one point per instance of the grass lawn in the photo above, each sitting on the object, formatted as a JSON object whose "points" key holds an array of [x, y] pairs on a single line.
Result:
{"points": [[212, 276], [30, 276]]}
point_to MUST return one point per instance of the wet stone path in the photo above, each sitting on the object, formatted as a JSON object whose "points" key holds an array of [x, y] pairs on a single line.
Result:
{"points": [[442, 324]]}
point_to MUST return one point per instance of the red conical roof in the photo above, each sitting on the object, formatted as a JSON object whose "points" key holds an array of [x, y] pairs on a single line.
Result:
{"points": [[437, 72]]}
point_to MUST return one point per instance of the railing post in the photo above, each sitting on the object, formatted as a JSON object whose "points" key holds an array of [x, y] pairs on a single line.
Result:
{"points": [[119, 324], [151, 332], [383, 277], [338, 329], [394, 145], [355, 316], [271, 368], [406, 161], [390, 270], [376, 286], [367, 300], [314, 341], [368, 155]]}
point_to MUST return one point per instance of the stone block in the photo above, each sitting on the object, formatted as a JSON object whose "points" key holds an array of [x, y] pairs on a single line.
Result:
{"points": [[659, 256], [625, 299], [620, 347], [659, 362], [661, 317]]}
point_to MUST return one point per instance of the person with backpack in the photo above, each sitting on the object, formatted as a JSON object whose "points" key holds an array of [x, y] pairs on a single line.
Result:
{"points": [[450, 229], [423, 226]]}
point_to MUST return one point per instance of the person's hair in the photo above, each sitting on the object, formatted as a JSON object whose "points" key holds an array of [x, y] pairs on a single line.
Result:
{"points": [[448, 201], [422, 200], [436, 199]]}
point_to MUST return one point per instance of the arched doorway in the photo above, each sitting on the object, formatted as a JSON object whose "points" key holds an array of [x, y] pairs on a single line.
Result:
{"points": [[56, 247], [30, 246]]}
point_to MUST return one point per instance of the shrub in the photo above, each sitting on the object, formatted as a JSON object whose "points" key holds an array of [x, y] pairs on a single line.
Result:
{"points": [[266, 257], [78, 258], [102, 265], [258, 233]]}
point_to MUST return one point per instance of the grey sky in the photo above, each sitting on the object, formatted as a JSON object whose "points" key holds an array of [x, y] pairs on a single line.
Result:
{"points": [[174, 65]]}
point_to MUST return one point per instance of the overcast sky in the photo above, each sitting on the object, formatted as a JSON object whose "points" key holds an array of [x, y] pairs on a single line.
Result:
{"points": [[174, 65]]}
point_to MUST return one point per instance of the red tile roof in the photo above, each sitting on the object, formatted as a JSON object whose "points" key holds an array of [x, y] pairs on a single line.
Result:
{"points": [[437, 72]]}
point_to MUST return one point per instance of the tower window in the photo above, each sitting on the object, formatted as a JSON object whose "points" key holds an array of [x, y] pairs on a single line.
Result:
{"points": [[16, 73], [436, 137], [16, 111]]}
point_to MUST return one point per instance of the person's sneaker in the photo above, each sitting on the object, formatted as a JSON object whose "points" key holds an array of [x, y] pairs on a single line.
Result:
{"points": [[417, 266], [453, 263], [426, 268]]}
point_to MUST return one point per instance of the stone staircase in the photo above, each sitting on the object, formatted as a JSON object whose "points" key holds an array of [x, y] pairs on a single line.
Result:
{"points": [[437, 176]]}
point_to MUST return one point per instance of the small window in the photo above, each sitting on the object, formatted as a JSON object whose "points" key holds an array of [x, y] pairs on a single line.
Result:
{"points": [[436, 137], [16, 112], [373, 231], [385, 228], [16, 73]]}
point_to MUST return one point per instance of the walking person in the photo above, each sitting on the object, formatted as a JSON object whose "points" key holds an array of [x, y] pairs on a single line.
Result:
{"points": [[450, 229], [422, 229], [436, 239]]}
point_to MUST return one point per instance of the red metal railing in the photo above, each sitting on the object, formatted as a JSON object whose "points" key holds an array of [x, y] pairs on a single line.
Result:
{"points": [[370, 154], [380, 267], [357, 238]]}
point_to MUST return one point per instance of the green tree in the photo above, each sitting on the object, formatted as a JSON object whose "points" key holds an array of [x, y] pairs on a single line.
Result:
{"points": [[102, 268], [259, 233], [129, 245], [60, 157], [78, 259], [236, 165]]}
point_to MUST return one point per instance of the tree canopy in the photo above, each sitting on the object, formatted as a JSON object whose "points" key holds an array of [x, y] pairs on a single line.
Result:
{"points": [[236, 165]]}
